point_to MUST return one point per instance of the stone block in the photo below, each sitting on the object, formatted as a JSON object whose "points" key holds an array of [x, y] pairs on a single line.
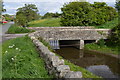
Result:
{"points": [[63, 68], [32, 37], [72, 74]]}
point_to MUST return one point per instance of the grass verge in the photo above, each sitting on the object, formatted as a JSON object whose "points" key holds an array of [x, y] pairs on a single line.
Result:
{"points": [[53, 22], [20, 59], [16, 29], [73, 67], [104, 48]]}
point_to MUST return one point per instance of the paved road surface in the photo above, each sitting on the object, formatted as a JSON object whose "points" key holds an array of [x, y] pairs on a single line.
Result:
{"points": [[5, 27], [4, 36]]}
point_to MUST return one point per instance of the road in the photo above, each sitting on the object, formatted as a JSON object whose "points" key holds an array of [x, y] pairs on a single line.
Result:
{"points": [[3, 30], [3, 36], [5, 27]]}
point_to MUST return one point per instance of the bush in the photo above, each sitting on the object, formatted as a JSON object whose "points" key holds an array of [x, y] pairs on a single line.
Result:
{"points": [[84, 14], [101, 42], [16, 29], [114, 37]]}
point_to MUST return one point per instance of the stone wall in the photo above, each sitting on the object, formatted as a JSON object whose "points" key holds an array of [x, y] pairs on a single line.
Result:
{"points": [[54, 64]]}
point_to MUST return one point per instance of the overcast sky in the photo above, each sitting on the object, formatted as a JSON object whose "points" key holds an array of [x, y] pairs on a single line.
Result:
{"points": [[44, 5]]}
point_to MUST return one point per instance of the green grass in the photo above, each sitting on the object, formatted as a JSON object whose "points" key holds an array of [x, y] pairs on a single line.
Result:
{"points": [[22, 60], [109, 24], [45, 43], [103, 49], [53, 22], [16, 29]]}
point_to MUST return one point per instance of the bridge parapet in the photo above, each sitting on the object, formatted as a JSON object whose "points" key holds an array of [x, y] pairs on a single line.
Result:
{"points": [[72, 34]]}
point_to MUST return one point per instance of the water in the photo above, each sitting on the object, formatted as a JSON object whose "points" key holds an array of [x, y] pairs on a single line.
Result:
{"points": [[99, 64]]}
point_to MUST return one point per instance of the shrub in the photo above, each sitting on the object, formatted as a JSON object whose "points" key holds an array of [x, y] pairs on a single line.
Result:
{"points": [[16, 29], [114, 37], [101, 42]]}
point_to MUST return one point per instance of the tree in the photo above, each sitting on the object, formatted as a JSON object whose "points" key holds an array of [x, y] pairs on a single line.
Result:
{"points": [[117, 6], [84, 14], [114, 38], [21, 20], [103, 12], [51, 15], [29, 12], [75, 14]]}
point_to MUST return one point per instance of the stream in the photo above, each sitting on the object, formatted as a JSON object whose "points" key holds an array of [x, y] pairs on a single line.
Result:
{"points": [[102, 65]]}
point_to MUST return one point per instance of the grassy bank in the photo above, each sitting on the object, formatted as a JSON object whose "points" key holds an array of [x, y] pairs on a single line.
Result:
{"points": [[73, 67], [104, 48], [20, 59], [14, 29], [109, 24], [53, 22]]}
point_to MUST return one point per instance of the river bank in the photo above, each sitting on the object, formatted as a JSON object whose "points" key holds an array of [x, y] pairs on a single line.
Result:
{"points": [[110, 54], [102, 65], [103, 49]]}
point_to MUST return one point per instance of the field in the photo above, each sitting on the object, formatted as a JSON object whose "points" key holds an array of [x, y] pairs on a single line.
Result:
{"points": [[20, 59], [55, 22]]}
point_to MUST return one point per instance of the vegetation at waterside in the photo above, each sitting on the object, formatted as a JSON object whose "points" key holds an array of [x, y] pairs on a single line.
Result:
{"points": [[103, 49], [111, 45], [17, 29], [51, 22], [73, 67], [20, 59]]}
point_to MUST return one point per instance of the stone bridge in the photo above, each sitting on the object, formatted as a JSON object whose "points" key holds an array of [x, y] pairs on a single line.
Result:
{"points": [[72, 35]]}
